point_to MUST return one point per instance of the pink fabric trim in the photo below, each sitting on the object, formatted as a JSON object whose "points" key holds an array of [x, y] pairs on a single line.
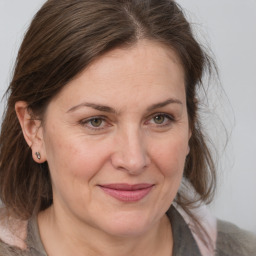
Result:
{"points": [[13, 232], [208, 221]]}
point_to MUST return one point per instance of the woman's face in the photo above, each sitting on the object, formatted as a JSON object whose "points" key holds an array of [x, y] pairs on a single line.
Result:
{"points": [[116, 138]]}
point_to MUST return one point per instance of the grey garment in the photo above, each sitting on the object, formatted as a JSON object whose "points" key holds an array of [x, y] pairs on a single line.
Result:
{"points": [[34, 242], [231, 240], [184, 243]]}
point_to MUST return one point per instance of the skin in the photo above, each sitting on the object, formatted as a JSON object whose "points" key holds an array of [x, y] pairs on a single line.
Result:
{"points": [[143, 139]]}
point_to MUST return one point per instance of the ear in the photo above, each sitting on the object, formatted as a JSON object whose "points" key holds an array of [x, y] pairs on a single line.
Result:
{"points": [[32, 131], [189, 136], [188, 149]]}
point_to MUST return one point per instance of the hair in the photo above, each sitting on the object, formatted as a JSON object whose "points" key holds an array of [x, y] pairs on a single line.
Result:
{"points": [[65, 36]]}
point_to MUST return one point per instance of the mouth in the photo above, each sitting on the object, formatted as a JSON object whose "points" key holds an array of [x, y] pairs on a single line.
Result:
{"points": [[126, 192]]}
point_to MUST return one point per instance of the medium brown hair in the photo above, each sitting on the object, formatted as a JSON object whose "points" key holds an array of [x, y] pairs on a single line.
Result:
{"points": [[64, 37]]}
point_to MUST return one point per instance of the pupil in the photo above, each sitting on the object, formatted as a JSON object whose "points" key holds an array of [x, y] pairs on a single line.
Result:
{"points": [[159, 119], [96, 122]]}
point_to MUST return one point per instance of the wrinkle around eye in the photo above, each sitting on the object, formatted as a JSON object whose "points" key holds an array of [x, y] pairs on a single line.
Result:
{"points": [[87, 123], [168, 120]]}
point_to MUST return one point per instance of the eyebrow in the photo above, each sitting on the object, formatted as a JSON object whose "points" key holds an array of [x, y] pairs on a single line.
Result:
{"points": [[108, 109], [164, 103], [94, 106]]}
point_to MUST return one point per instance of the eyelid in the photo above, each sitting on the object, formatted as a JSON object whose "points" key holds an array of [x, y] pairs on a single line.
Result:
{"points": [[105, 123], [86, 121], [170, 117]]}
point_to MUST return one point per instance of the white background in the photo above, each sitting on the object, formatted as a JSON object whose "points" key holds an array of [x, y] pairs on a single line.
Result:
{"points": [[229, 28]]}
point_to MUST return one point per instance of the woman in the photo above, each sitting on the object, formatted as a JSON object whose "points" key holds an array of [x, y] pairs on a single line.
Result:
{"points": [[102, 152]]}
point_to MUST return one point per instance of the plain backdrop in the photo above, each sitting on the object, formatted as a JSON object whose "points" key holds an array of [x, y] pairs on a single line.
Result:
{"points": [[228, 27]]}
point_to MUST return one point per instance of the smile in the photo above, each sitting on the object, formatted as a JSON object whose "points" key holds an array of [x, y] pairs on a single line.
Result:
{"points": [[126, 192]]}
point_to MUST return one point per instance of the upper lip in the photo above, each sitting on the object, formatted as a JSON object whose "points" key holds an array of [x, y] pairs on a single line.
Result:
{"points": [[127, 187]]}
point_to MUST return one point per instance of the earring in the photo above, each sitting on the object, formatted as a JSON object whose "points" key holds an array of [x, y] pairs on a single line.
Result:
{"points": [[38, 155]]}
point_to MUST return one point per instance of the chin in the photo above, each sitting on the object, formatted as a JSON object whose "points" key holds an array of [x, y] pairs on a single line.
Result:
{"points": [[128, 225], [124, 230]]}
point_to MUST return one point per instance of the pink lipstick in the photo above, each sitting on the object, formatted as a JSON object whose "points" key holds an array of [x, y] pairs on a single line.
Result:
{"points": [[127, 192]]}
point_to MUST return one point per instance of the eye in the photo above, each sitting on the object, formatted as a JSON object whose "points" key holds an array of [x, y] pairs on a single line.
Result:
{"points": [[160, 120], [95, 123]]}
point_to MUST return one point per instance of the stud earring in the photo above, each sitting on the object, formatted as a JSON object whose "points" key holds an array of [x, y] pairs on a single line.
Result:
{"points": [[38, 155]]}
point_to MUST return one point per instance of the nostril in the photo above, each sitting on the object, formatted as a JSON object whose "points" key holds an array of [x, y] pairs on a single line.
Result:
{"points": [[134, 164], [130, 152]]}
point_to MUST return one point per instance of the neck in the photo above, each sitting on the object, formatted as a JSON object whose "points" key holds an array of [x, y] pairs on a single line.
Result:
{"points": [[62, 236]]}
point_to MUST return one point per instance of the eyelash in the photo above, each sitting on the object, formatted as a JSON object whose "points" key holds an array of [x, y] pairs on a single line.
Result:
{"points": [[168, 119], [86, 123]]}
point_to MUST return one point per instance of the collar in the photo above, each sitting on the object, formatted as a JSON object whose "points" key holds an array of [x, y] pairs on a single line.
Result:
{"points": [[183, 241]]}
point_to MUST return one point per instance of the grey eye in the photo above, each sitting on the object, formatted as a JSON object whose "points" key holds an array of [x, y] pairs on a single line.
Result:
{"points": [[96, 122], [159, 119]]}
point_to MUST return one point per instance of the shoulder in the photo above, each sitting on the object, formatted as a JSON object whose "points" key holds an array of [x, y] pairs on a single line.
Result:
{"points": [[231, 240], [227, 238], [13, 234]]}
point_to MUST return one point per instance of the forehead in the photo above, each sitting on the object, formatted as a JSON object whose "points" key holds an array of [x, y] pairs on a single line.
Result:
{"points": [[144, 57], [145, 70]]}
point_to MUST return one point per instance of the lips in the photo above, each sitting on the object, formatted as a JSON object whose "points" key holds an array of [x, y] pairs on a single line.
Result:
{"points": [[126, 192]]}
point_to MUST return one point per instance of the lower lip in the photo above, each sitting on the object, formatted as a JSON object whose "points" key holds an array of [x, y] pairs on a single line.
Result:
{"points": [[127, 195]]}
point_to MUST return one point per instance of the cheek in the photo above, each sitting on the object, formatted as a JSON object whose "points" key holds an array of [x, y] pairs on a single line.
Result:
{"points": [[74, 158], [73, 164], [169, 159], [170, 156]]}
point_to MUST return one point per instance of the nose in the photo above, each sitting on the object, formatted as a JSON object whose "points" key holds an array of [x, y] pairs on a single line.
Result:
{"points": [[130, 152]]}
